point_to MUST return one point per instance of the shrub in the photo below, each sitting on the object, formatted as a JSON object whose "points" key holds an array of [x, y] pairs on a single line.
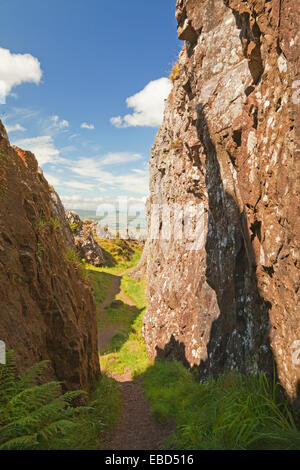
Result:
{"points": [[174, 75], [73, 226]]}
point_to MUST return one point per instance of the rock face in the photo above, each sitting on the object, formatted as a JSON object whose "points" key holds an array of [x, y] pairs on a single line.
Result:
{"points": [[84, 239], [139, 271], [47, 310], [227, 297]]}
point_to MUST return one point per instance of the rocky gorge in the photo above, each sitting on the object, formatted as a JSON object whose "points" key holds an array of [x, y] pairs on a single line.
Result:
{"points": [[229, 147], [196, 328]]}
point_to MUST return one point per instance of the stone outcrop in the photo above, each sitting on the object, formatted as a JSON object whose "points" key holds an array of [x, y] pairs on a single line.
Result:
{"points": [[229, 146], [47, 310], [85, 243]]}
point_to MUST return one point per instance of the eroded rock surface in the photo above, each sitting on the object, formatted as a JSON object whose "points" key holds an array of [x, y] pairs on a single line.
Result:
{"points": [[84, 239], [47, 310], [229, 144]]}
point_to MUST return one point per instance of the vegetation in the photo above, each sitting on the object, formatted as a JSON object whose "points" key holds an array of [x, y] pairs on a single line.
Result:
{"points": [[174, 75], [127, 347], [37, 416], [39, 252], [42, 224], [54, 223], [120, 254], [73, 226], [101, 283], [231, 412], [106, 402], [73, 257]]}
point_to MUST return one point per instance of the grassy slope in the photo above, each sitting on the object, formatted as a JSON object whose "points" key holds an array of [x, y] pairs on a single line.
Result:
{"points": [[120, 255], [128, 348]]}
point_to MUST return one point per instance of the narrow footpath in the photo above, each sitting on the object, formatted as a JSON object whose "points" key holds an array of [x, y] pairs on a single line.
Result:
{"points": [[137, 429]]}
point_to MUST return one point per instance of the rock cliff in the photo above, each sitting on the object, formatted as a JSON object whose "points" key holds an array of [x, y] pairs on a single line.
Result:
{"points": [[227, 297], [47, 310], [84, 240]]}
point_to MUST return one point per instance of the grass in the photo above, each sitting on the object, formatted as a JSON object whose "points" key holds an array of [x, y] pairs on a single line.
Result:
{"points": [[127, 348], [120, 255], [102, 278], [101, 283], [106, 401], [234, 412]]}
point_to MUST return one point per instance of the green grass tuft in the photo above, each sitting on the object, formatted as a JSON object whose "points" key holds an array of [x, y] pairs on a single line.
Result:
{"points": [[127, 348], [233, 412]]}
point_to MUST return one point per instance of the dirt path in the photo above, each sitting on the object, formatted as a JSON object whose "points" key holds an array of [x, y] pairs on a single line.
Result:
{"points": [[137, 429]]}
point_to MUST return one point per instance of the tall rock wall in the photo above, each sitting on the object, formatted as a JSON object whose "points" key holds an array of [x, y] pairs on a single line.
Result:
{"points": [[47, 310], [227, 299]]}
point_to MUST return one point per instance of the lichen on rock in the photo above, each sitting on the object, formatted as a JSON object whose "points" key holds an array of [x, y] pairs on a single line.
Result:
{"points": [[228, 146]]}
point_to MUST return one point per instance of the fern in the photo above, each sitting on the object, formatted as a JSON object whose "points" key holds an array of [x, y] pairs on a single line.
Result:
{"points": [[38, 416]]}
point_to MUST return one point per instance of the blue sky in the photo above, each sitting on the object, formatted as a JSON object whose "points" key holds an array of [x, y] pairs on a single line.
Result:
{"points": [[64, 95]]}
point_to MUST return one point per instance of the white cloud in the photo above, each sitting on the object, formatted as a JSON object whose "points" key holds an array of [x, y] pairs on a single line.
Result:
{"points": [[79, 185], [15, 128], [148, 105], [117, 121], [70, 184], [118, 158], [84, 125], [90, 168], [60, 124], [16, 69], [43, 148], [76, 201], [133, 182]]}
